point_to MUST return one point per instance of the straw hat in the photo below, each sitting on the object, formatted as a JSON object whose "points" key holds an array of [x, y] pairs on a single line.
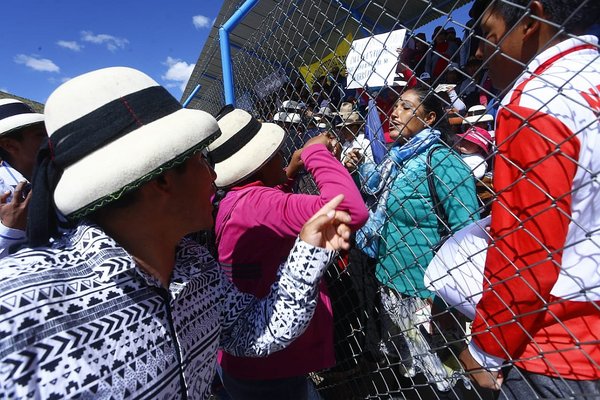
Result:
{"points": [[121, 129], [292, 106], [290, 112], [290, 118], [323, 117], [323, 112], [244, 147], [400, 79], [15, 114], [354, 118], [348, 115], [477, 114]]}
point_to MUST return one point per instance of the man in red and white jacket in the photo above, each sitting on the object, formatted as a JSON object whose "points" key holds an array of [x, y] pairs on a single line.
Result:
{"points": [[540, 308]]}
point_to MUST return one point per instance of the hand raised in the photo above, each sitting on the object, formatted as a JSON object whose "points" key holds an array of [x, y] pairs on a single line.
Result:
{"points": [[295, 164], [328, 227], [353, 159]]}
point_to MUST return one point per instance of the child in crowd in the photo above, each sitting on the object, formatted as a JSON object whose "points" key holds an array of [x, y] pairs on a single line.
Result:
{"points": [[474, 146]]}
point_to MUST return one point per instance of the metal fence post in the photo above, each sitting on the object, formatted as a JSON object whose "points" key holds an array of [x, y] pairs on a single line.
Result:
{"points": [[224, 31], [191, 96]]}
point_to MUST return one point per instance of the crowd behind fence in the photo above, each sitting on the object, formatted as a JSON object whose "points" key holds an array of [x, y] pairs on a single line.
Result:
{"points": [[405, 298]]}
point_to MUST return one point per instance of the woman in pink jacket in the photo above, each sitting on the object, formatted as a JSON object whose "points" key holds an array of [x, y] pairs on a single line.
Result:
{"points": [[256, 225]]}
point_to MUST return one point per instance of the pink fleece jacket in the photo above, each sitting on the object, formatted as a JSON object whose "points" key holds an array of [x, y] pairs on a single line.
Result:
{"points": [[256, 227]]}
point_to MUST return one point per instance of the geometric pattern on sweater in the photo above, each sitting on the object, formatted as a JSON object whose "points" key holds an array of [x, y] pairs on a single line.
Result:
{"points": [[78, 319]]}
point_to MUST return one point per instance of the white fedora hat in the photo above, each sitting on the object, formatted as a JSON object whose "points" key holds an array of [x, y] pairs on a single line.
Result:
{"points": [[477, 114], [125, 128], [324, 112], [290, 112], [292, 106], [289, 117], [400, 79], [15, 114], [244, 147]]}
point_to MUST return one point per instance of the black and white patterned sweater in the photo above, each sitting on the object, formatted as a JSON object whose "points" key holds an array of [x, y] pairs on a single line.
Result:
{"points": [[80, 320]]}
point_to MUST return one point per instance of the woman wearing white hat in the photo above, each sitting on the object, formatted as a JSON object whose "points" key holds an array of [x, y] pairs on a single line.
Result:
{"points": [[255, 227], [122, 306]]}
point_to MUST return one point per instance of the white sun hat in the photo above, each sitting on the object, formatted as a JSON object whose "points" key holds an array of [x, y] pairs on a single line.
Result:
{"points": [[477, 114], [244, 147], [292, 106], [110, 131], [290, 112], [323, 112], [288, 117], [15, 114]]}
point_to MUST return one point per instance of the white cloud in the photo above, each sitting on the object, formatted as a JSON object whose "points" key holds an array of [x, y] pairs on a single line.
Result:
{"points": [[178, 72], [112, 43], [36, 63], [71, 45], [201, 21]]}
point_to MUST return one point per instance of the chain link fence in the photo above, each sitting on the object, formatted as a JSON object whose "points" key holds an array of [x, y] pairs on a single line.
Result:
{"points": [[489, 237]]}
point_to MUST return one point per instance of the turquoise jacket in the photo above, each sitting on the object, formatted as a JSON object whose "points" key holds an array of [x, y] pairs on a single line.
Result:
{"points": [[412, 228]]}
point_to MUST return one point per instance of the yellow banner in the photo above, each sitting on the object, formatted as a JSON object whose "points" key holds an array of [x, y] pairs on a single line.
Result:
{"points": [[322, 67]]}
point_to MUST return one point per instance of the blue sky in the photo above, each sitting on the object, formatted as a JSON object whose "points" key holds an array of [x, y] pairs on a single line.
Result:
{"points": [[45, 42]]}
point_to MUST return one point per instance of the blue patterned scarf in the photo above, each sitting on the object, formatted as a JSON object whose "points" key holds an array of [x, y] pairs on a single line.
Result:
{"points": [[376, 179], [375, 176]]}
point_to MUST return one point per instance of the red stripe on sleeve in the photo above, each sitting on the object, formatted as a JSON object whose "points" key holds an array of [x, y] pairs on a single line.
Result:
{"points": [[533, 174]]}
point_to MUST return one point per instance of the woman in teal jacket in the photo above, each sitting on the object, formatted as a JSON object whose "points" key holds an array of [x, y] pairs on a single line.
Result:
{"points": [[408, 224]]}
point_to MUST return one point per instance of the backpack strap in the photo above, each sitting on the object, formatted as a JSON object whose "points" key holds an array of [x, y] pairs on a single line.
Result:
{"points": [[438, 207]]}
